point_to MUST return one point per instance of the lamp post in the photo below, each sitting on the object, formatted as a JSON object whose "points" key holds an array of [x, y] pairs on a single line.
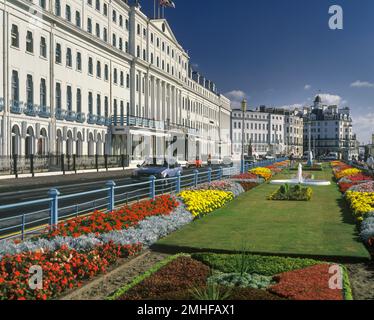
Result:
{"points": [[244, 109]]}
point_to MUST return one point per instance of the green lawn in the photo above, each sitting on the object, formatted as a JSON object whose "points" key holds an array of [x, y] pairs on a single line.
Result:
{"points": [[322, 227]]}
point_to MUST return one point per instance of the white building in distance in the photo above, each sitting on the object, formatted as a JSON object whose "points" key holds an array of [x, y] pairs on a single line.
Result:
{"points": [[329, 129], [98, 77], [267, 131]]}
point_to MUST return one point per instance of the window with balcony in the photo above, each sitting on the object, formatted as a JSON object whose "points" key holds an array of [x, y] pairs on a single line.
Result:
{"points": [[15, 36], [114, 40], [105, 9], [43, 94], [120, 21], [58, 96], [120, 45], [115, 76], [114, 16], [90, 103], [127, 81], [29, 90], [79, 101], [29, 42], [98, 105], [15, 86], [69, 105], [106, 107], [105, 35]]}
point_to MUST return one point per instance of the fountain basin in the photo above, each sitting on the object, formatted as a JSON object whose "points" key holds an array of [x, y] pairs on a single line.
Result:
{"points": [[318, 183]]}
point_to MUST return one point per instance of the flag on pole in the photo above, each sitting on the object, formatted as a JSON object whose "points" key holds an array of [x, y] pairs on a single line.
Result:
{"points": [[167, 3]]}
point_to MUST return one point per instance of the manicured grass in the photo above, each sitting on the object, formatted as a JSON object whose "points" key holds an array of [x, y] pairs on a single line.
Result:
{"points": [[322, 227]]}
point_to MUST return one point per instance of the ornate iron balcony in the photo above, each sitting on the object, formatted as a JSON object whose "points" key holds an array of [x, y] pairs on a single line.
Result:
{"points": [[16, 107], [60, 114], [81, 117], [91, 118], [30, 109], [100, 120], [108, 122], [44, 112], [70, 116]]}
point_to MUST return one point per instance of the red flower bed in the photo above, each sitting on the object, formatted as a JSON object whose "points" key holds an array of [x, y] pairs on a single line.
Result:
{"points": [[124, 218], [359, 177], [63, 269], [247, 186], [274, 169], [306, 284], [246, 176], [344, 186]]}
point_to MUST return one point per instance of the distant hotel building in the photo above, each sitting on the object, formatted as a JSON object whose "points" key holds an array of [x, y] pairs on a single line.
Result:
{"points": [[267, 131], [329, 129], [99, 77]]}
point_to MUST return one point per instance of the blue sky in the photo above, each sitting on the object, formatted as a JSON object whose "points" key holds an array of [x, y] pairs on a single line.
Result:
{"points": [[282, 52]]}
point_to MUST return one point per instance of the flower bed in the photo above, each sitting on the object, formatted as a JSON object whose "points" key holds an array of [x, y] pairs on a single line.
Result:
{"points": [[247, 186], [211, 276], [311, 283], [361, 203], [245, 176], [363, 187], [127, 216], [367, 229], [292, 193], [264, 173], [202, 202], [360, 177], [62, 269], [346, 172]]}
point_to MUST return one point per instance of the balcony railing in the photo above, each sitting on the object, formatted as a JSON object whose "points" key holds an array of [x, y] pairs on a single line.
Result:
{"points": [[16, 107], [81, 117], [108, 122], [91, 118], [100, 120], [44, 112], [71, 116], [30, 109], [60, 114], [1, 104]]}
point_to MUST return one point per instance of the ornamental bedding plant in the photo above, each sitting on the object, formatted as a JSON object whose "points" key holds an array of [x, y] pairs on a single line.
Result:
{"points": [[124, 218], [225, 185], [311, 283], [84, 257], [63, 269]]}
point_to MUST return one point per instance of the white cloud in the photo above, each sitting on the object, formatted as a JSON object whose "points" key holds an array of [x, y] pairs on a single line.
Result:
{"points": [[363, 126], [330, 99], [307, 87], [236, 97], [362, 84]]}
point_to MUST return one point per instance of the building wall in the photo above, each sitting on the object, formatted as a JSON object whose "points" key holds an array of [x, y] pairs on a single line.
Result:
{"points": [[147, 78]]}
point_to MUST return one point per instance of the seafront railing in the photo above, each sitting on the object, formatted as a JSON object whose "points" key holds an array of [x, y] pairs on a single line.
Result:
{"points": [[48, 212]]}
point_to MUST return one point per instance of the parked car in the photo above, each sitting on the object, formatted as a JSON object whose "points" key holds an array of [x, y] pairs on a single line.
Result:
{"points": [[227, 162], [332, 156], [250, 159], [158, 167]]}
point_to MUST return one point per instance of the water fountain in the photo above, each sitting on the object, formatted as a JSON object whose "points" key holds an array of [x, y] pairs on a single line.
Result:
{"points": [[300, 180]]}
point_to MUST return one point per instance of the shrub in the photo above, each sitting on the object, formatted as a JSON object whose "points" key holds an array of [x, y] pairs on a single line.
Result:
{"points": [[262, 265], [292, 193]]}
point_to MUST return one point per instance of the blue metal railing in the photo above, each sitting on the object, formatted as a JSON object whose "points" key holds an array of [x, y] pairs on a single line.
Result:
{"points": [[57, 207]]}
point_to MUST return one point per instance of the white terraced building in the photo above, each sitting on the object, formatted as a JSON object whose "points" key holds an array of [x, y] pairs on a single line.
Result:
{"points": [[94, 77]]}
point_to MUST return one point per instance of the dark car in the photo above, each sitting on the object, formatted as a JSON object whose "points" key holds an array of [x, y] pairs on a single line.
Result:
{"points": [[160, 168]]}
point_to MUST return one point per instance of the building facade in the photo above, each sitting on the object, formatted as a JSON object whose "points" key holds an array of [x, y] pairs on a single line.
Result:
{"points": [[328, 128], [267, 131], [98, 77]]}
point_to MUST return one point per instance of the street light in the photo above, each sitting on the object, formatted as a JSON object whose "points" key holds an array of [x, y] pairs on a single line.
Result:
{"points": [[244, 109]]}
